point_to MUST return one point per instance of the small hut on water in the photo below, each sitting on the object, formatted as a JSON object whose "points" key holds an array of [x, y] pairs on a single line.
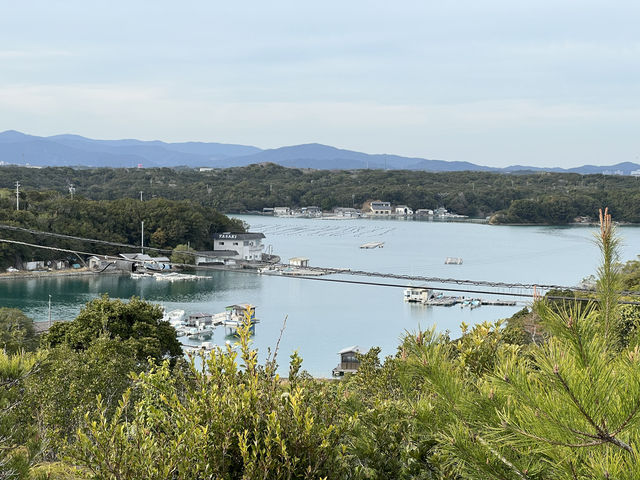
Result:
{"points": [[349, 362]]}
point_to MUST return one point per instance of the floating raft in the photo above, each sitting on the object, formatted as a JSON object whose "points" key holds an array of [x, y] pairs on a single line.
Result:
{"points": [[372, 245], [449, 301]]}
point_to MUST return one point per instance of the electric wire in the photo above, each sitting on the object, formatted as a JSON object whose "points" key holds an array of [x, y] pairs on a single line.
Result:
{"points": [[329, 270], [417, 278]]}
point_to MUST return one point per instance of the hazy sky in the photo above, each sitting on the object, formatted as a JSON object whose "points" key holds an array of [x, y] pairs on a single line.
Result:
{"points": [[544, 83]]}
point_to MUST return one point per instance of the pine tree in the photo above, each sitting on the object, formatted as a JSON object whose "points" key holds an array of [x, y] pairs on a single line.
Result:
{"points": [[566, 409]]}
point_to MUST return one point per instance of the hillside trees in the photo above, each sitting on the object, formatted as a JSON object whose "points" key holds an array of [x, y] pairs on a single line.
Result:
{"points": [[556, 197], [236, 420], [568, 408], [136, 323], [167, 224], [16, 331]]}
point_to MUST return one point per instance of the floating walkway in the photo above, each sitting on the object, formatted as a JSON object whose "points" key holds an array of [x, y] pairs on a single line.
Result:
{"points": [[426, 296]]}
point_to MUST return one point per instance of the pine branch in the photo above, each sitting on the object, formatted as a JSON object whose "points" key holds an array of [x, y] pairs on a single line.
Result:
{"points": [[602, 434]]}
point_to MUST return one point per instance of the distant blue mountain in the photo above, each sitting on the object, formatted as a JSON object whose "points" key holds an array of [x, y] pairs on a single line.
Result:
{"points": [[324, 157], [73, 150]]}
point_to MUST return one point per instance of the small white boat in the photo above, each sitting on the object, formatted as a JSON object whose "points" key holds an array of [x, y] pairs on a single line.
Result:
{"points": [[174, 317], [453, 261], [141, 275], [174, 276], [370, 245]]}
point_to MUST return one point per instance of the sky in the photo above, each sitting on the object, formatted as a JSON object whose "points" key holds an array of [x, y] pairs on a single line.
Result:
{"points": [[493, 82]]}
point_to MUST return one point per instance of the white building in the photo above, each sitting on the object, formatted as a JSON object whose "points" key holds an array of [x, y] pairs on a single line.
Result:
{"points": [[403, 210], [380, 208], [248, 245], [299, 262], [281, 211], [347, 212]]}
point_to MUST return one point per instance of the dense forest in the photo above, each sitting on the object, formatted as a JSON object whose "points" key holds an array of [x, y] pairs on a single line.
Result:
{"points": [[554, 198], [168, 223], [552, 393]]}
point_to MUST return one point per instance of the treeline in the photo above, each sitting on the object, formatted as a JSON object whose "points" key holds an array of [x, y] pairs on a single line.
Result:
{"points": [[167, 223], [554, 198], [553, 394]]}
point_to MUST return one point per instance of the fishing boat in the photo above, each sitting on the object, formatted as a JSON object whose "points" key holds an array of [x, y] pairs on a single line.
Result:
{"points": [[174, 317]]}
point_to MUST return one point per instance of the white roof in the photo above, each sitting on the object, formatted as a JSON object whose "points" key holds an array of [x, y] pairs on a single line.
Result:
{"points": [[354, 348]]}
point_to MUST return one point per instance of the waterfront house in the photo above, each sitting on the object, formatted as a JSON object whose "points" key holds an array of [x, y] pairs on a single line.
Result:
{"points": [[346, 212], [349, 362], [281, 211], [403, 210], [424, 212], [102, 264], [247, 245], [311, 212], [378, 207]]}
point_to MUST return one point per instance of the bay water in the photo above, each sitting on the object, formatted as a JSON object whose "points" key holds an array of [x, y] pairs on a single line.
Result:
{"points": [[322, 317]]}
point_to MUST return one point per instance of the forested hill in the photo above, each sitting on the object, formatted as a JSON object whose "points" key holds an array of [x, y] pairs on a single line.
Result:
{"points": [[553, 198], [168, 223]]}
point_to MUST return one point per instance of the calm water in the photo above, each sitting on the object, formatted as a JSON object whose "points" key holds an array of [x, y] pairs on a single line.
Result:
{"points": [[323, 317]]}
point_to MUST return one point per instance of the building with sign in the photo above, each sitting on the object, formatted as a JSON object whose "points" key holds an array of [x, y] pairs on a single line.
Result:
{"points": [[248, 245]]}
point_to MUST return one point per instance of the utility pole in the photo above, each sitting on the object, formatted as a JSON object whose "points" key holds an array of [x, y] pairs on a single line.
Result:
{"points": [[142, 239], [17, 195]]}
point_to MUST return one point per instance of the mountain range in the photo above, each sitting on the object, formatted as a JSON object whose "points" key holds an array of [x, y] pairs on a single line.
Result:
{"points": [[18, 148]]}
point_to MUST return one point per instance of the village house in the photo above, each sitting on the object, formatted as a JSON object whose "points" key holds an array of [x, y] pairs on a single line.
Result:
{"points": [[347, 212], [378, 207], [349, 362], [281, 211], [247, 245], [311, 212], [403, 210]]}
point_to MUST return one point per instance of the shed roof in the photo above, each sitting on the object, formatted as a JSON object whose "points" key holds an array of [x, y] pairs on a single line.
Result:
{"points": [[354, 348], [238, 236], [217, 253]]}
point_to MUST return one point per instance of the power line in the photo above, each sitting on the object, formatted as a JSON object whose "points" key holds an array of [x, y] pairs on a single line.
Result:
{"points": [[81, 239], [416, 278], [302, 277], [328, 270]]}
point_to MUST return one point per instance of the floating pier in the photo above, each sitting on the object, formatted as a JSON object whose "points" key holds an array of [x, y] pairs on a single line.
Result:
{"points": [[427, 296]]}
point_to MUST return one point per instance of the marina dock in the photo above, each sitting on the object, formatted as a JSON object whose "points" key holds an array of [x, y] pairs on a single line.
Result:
{"points": [[427, 296]]}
